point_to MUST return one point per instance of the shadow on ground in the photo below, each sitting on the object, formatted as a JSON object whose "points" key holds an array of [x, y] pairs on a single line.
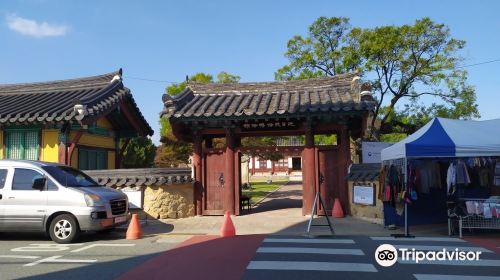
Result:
{"points": [[201, 253], [149, 229]]}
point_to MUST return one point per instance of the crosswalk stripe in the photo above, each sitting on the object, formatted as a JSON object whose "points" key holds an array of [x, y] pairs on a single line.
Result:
{"points": [[304, 240], [441, 239], [481, 262], [439, 248], [298, 250], [453, 277], [318, 266]]}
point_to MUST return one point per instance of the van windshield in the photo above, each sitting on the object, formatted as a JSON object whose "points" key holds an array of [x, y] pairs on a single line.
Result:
{"points": [[70, 177]]}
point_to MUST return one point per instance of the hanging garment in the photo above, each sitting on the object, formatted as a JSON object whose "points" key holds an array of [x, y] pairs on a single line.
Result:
{"points": [[411, 188], [393, 184], [484, 177], [426, 178], [451, 178], [461, 173], [429, 176]]}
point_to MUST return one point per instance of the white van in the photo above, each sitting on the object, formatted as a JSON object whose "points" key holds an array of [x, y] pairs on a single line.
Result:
{"points": [[56, 199]]}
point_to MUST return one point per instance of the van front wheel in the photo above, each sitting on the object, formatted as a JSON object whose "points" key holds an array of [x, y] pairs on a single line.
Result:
{"points": [[64, 229]]}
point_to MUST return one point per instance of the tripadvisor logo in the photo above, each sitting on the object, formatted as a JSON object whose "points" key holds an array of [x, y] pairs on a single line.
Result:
{"points": [[387, 255]]}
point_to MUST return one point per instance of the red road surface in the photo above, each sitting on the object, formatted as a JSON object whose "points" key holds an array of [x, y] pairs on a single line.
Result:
{"points": [[200, 257], [491, 242]]}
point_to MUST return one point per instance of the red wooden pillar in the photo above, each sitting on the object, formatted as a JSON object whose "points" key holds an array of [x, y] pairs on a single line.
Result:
{"points": [[344, 159], [253, 165], [197, 150], [237, 174], [308, 173], [229, 184], [209, 142]]}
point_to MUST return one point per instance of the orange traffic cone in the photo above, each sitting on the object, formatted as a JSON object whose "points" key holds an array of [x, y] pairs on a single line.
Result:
{"points": [[337, 211], [134, 228], [227, 228]]}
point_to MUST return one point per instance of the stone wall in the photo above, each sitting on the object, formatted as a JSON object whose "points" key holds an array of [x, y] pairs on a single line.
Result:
{"points": [[375, 213], [169, 201]]}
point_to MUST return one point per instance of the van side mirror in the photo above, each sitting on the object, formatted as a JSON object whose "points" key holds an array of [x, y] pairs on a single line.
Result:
{"points": [[39, 184]]}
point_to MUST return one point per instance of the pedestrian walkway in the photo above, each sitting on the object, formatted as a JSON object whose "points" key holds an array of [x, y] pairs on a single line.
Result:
{"points": [[200, 257], [286, 200], [293, 257], [353, 257], [280, 213]]}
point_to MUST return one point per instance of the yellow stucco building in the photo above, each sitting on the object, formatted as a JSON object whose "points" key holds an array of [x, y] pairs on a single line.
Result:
{"points": [[85, 122]]}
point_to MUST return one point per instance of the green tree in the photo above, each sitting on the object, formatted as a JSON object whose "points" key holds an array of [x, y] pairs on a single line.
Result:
{"points": [[227, 78], [139, 153], [321, 53], [197, 78], [173, 152], [403, 62]]}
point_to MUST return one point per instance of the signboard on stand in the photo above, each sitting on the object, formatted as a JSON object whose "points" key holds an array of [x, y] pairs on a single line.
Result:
{"points": [[363, 194]]}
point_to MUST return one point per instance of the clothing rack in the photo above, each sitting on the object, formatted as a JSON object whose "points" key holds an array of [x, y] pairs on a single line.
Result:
{"points": [[403, 165]]}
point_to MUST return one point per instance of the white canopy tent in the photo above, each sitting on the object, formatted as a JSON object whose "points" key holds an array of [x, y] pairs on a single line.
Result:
{"points": [[449, 138], [446, 138]]}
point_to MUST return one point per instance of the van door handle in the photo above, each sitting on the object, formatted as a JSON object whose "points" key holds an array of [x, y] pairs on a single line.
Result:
{"points": [[11, 197]]}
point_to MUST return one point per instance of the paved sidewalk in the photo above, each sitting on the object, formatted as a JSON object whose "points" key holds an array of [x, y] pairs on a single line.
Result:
{"points": [[280, 213]]}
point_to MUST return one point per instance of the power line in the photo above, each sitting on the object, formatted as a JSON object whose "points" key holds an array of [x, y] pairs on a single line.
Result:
{"points": [[169, 82], [150, 80], [479, 63]]}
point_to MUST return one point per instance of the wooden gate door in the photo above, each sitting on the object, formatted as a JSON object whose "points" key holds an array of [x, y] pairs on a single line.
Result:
{"points": [[213, 192], [327, 176]]}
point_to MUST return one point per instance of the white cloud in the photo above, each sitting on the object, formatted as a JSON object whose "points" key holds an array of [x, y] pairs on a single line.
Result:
{"points": [[33, 28]]}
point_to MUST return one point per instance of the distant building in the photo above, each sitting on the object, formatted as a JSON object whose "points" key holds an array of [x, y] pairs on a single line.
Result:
{"points": [[291, 150]]}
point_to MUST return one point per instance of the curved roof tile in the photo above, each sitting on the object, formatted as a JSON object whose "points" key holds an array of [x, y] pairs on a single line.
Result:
{"points": [[121, 178], [54, 101], [282, 98]]}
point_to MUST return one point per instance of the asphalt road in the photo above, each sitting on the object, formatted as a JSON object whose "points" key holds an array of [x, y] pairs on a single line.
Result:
{"points": [[353, 257], [95, 256], [107, 256]]}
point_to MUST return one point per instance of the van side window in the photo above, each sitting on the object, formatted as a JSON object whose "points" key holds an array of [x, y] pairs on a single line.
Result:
{"points": [[23, 179], [51, 186], [3, 177]]}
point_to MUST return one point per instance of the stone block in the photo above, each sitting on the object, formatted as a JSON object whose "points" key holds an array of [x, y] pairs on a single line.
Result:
{"points": [[169, 201]]}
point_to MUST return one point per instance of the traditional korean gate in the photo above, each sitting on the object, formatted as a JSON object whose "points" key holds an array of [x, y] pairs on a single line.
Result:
{"points": [[328, 176], [204, 112], [213, 192]]}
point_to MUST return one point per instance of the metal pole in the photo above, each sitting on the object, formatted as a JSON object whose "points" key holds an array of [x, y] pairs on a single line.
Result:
{"points": [[406, 220], [313, 211]]}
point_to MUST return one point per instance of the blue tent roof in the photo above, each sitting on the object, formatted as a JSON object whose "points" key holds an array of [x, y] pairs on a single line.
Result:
{"points": [[449, 138]]}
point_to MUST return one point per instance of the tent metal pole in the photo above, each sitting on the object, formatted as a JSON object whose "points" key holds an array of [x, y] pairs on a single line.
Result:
{"points": [[407, 228]]}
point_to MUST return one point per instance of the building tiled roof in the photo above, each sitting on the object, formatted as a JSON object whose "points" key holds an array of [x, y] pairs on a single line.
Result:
{"points": [[364, 172], [54, 101], [340, 93], [123, 178]]}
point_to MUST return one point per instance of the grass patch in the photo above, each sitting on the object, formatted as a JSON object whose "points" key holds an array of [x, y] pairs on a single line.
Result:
{"points": [[261, 189]]}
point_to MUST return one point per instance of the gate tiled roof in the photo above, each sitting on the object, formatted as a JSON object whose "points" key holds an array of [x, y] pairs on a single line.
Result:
{"points": [[340, 93], [54, 101], [364, 172]]}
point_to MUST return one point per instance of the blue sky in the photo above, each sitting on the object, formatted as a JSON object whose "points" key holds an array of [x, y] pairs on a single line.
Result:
{"points": [[166, 40]]}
